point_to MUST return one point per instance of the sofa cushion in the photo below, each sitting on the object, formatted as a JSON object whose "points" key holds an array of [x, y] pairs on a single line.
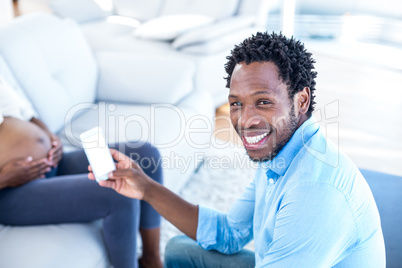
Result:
{"points": [[216, 9], [51, 56], [168, 27], [64, 245], [130, 78], [83, 10]]}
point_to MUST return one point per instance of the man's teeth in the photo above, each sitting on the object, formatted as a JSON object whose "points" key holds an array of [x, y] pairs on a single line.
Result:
{"points": [[255, 139]]}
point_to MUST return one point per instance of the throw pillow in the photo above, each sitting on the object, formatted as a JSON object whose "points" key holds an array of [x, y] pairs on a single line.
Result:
{"points": [[167, 28], [215, 31]]}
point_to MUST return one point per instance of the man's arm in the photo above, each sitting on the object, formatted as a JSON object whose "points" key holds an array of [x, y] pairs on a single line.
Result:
{"points": [[176, 210], [129, 180]]}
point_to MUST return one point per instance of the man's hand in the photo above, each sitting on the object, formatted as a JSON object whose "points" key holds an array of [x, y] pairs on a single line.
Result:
{"points": [[56, 152], [18, 172], [128, 179]]}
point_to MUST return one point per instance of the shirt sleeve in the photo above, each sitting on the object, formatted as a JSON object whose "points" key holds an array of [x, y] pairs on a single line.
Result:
{"points": [[228, 233], [13, 104], [314, 227]]}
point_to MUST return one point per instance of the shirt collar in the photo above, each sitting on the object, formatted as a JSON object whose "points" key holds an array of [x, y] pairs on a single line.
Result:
{"points": [[282, 161]]}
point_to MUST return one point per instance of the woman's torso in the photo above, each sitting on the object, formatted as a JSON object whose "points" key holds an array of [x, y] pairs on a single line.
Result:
{"points": [[20, 139]]}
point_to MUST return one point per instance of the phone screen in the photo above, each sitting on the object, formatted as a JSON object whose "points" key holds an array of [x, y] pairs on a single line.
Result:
{"points": [[98, 153]]}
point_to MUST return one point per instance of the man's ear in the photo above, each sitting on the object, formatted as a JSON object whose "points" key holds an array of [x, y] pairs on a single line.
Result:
{"points": [[302, 101]]}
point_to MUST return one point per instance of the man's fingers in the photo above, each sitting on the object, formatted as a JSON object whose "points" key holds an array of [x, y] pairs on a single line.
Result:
{"points": [[108, 183], [135, 165], [118, 156], [91, 176], [122, 173], [122, 165]]}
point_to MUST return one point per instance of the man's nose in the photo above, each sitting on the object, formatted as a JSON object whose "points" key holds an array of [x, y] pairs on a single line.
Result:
{"points": [[249, 118]]}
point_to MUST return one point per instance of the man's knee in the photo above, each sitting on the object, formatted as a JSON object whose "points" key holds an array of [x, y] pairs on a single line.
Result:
{"points": [[178, 252]]}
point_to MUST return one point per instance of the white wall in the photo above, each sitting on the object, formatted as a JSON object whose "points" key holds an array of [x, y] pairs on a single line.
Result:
{"points": [[6, 11]]}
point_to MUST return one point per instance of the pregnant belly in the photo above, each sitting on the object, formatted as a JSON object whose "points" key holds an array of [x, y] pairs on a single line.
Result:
{"points": [[20, 139]]}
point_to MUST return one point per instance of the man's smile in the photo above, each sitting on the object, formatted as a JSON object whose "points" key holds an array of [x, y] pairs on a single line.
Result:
{"points": [[255, 141]]}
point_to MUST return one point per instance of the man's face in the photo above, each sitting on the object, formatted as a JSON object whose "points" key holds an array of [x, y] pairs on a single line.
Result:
{"points": [[260, 109]]}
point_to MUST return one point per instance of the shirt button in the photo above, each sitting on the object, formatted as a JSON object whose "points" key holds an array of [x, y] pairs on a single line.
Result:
{"points": [[271, 181]]}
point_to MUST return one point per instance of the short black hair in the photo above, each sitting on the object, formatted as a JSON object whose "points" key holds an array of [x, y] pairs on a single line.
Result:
{"points": [[295, 64]]}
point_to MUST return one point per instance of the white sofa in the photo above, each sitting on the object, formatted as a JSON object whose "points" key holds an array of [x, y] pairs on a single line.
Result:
{"points": [[201, 31], [132, 97]]}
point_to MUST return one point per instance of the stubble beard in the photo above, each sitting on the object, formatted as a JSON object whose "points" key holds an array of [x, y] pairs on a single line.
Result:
{"points": [[288, 130]]}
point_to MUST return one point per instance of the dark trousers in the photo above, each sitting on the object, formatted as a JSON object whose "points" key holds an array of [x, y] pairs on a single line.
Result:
{"points": [[183, 252], [68, 196]]}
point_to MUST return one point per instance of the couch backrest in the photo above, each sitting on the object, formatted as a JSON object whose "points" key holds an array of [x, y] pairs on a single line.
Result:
{"points": [[213, 8], [387, 192], [87, 10], [138, 9], [52, 62]]}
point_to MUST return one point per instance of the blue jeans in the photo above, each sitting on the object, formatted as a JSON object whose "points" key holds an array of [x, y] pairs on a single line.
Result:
{"points": [[68, 196], [183, 252]]}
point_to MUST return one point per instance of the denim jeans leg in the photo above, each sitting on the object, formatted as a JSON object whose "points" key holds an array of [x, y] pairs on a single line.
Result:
{"points": [[182, 251]]}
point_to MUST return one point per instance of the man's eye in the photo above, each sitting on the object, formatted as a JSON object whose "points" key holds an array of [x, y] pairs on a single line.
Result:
{"points": [[264, 102], [235, 104]]}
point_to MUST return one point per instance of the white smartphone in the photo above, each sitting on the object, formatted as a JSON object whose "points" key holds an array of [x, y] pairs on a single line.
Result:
{"points": [[98, 153]]}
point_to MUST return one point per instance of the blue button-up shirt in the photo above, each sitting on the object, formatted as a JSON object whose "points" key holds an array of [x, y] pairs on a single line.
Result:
{"points": [[308, 207]]}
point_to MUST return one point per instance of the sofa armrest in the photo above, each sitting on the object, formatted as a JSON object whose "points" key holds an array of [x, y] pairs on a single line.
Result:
{"points": [[129, 78], [213, 31], [81, 10]]}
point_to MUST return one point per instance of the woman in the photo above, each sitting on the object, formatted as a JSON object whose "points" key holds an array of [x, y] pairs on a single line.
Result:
{"points": [[40, 185]]}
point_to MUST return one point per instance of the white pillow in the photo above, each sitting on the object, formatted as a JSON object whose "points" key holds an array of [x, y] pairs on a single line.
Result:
{"points": [[209, 32], [223, 43], [167, 28]]}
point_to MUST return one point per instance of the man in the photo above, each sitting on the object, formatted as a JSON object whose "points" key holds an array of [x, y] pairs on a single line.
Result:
{"points": [[29, 152], [308, 205]]}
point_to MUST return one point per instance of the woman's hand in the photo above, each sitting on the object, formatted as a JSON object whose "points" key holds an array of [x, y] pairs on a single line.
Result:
{"points": [[18, 172], [56, 152], [128, 179]]}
